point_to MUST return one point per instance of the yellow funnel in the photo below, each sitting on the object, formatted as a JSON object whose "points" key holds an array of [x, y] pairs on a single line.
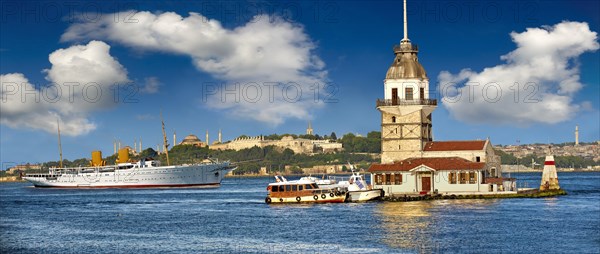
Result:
{"points": [[123, 155], [97, 158]]}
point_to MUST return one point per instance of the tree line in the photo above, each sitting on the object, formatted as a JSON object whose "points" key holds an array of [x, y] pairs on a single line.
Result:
{"points": [[560, 161]]}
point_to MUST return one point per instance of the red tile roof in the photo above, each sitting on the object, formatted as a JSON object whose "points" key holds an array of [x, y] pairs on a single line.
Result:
{"points": [[454, 145], [439, 163]]}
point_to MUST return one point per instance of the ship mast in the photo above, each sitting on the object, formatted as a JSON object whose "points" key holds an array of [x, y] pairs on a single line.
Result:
{"points": [[165, 144], [60, 163]]}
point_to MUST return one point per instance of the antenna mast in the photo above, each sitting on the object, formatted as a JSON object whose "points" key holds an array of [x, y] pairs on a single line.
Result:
{"points": [[60, 163], [405, 24], [165, 144]]}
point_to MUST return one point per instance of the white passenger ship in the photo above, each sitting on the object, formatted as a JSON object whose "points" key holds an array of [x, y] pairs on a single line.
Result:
{"points": [[145, 173], [141, 174]]}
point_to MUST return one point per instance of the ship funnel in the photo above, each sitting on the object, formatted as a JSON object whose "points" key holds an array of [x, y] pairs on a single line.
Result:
{"points": [[97, 159], [123, 155]]}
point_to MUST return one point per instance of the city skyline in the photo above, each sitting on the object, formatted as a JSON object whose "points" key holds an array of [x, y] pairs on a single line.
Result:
{"points": [[335, 53]]}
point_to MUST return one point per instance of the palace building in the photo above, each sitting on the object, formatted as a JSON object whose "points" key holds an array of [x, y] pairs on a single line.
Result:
{"points": [[411, 161]]}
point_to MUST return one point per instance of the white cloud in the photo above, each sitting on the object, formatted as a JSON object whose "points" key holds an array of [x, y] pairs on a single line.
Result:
{"points": [[536, 84], [266, 49], [151, 85], [80, 79]]}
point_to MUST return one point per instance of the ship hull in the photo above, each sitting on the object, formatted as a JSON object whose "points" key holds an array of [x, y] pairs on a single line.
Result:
{"points": [[364, 195], [185, 176], [305, 199]]}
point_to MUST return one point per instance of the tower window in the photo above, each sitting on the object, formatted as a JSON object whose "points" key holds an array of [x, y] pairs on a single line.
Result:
{"points": [[408, 93], [393, 119], [478, 159]]}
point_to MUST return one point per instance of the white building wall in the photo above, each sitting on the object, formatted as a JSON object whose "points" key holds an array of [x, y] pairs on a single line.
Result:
{"points": [[411, 184], [443, 185], [408, 183], [400, 84]]}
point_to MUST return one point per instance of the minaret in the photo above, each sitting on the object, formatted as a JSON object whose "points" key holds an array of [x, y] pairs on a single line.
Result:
{"points": [[115, 146], [135, 146], [576, 135], [141, 145], [309, 129], [207, 137], [174, 138], [406, 108], [220, 141]]}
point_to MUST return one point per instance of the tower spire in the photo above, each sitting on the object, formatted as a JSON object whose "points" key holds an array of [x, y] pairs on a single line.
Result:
{"points": [[405, 25], [309, 129]]}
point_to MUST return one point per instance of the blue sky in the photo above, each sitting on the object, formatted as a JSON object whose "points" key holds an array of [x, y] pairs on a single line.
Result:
{"points": [[174, 59]]}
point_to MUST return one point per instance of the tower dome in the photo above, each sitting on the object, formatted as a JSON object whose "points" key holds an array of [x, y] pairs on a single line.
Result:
{"points": [[406, 64]]}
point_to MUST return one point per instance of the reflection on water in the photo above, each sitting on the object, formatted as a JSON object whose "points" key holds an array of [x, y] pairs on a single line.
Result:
{"points": [[404, 224], [414, 225]]}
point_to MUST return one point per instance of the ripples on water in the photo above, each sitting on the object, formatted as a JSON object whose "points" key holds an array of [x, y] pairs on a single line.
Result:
{"points": [[235, 219]]}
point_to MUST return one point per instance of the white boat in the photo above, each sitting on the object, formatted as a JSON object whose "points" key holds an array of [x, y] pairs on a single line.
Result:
{"points": [[141, 174], [356, 187], [300, 191]]}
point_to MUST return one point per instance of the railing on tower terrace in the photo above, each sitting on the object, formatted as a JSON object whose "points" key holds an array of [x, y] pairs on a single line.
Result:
{"points": [[399, 102]]}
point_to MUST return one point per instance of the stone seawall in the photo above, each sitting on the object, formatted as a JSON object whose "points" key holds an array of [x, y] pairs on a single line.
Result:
{"points": [[527, 194]]}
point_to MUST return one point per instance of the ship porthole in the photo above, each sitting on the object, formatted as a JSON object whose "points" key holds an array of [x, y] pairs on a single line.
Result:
{"points": [[331, 194], [323, 196], [316, 197], [281, 200], [268, 200], [298, 199]]}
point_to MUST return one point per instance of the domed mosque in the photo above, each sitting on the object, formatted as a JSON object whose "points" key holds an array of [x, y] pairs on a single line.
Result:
{"points": [[192, 140]]}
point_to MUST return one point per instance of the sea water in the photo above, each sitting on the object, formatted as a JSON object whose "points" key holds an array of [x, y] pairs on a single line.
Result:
{"points": [[235, 219]]}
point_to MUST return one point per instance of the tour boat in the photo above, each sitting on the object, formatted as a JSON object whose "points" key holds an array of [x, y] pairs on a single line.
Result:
{"points": [[301, 191]]}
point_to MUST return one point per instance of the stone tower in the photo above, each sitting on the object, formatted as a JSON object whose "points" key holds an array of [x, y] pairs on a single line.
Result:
{"points": [[309, 129], [576, 135], [406, 108]]}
